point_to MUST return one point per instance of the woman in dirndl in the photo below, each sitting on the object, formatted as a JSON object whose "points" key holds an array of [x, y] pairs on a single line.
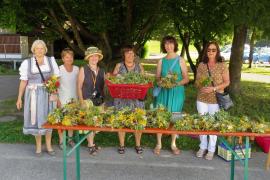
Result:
{"points": [[37, 103]]}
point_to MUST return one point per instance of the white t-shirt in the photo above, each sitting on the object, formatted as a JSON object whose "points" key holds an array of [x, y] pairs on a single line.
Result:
{"points": [[68, 84], [45, 67]]}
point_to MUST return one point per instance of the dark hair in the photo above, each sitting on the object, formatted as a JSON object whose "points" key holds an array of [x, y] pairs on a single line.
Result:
{"points": [[126, 48], [218, 56], [169, 39]]}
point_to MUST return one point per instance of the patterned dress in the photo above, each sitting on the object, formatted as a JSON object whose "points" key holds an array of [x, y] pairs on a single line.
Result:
{"points": [[36, 97], [132, 103], [173, 98]]}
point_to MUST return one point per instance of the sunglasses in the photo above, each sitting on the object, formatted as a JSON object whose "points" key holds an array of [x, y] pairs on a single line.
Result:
{"points": [[211, 50]]}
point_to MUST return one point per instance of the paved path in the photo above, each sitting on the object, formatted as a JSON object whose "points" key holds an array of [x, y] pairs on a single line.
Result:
{"points": [[17, 162], [256, 77], [8, 86]]}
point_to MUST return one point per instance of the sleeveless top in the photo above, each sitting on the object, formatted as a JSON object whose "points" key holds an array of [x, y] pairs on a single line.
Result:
{"points": [[132, 103], [123, 69], [88, 84], [171, 98]]}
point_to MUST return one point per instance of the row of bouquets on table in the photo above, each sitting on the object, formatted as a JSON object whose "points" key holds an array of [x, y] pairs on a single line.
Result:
{"points": [[75, 113]]}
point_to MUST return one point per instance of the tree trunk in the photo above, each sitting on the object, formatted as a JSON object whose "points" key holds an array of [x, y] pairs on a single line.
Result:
{"points": [[186, 42], [240, 33], [186, 39], [252, 40]]}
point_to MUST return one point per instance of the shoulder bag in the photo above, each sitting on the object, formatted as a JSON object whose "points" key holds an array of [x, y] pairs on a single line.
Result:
{"points": [[223, 99]]}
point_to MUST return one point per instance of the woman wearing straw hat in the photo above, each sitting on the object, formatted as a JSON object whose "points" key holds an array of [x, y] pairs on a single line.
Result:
{"points": [[91, 86]]}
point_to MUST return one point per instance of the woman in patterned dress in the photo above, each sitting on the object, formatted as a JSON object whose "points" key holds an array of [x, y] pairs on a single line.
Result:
{"points": [[128, 65]]}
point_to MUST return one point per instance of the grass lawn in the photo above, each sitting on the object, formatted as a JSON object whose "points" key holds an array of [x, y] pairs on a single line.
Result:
{"points": [[260, 69], [6, 70], [253, 101]]}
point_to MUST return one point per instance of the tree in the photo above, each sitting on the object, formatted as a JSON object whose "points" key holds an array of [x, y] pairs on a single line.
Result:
{"points": [[108, 24], [8, 15], [243, 14], [198, 22]]}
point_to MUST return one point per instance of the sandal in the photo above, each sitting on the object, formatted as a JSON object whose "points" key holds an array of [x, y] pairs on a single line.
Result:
{"points": [[71, 143], [175, 150], [121, 150], [157, 150], [97, 147], [139, 149], [60, 145], [201, 153], [51, 153], [92, 150], [209, 156], [38, 154]]}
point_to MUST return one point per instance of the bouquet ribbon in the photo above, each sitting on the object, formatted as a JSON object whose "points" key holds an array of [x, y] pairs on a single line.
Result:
{"points": [[33, 103]]}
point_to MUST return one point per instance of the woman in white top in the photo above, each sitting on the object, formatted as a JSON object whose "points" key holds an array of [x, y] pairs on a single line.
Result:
{"points": [[33, 73], [68, 87]]}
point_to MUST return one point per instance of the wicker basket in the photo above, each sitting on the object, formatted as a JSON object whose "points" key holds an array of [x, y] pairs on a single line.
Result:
{"points": [[128, 91]]}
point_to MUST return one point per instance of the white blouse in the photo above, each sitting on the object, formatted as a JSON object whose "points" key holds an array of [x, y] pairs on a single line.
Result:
{"points": [[68, 84], [45, 67]]}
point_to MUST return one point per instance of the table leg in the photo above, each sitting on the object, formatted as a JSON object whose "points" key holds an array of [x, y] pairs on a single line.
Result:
{"points": [[233, 159], [65, 154], [267, 165], [77, 136], [246, 158]]}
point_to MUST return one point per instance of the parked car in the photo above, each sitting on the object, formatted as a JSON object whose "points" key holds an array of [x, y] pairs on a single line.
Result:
{"points": [[246, 56], [263, 55], [225, 52]]}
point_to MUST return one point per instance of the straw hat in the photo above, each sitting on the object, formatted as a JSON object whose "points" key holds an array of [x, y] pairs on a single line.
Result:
{"points": [[92, 51]]}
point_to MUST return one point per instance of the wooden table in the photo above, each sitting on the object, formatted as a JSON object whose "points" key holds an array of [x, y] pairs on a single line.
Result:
{"points": [[79, 140]]}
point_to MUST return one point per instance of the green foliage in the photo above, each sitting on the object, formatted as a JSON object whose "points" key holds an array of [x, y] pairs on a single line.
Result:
{"points": [[5, 70], [130, 78], [108, 24], [8, 14]]}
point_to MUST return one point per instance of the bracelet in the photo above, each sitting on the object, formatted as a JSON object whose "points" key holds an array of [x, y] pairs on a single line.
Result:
{"points": [[215, 89]]}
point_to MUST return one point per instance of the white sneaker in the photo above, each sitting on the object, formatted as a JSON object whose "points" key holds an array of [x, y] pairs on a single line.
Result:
{"points": [[209, 156], [201, 153]]}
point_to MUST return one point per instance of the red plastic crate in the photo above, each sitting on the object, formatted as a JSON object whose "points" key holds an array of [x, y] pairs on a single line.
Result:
{"points": [[128, 91], [264, 143]]}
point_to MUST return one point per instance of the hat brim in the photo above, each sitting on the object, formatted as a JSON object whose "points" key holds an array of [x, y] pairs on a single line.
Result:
{"points": [[99, 54]]}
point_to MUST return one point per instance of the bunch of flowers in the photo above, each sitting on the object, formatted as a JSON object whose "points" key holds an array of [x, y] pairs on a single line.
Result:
{"points": [[221, 121], [52, 84], [127, 118], [169, 81], [56, 116], [94, 116], [206, 81], [159, 118]]}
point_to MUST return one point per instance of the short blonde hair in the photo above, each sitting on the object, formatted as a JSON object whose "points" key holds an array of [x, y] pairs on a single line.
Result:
{"points": [[38, 42], [67, 51]]}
